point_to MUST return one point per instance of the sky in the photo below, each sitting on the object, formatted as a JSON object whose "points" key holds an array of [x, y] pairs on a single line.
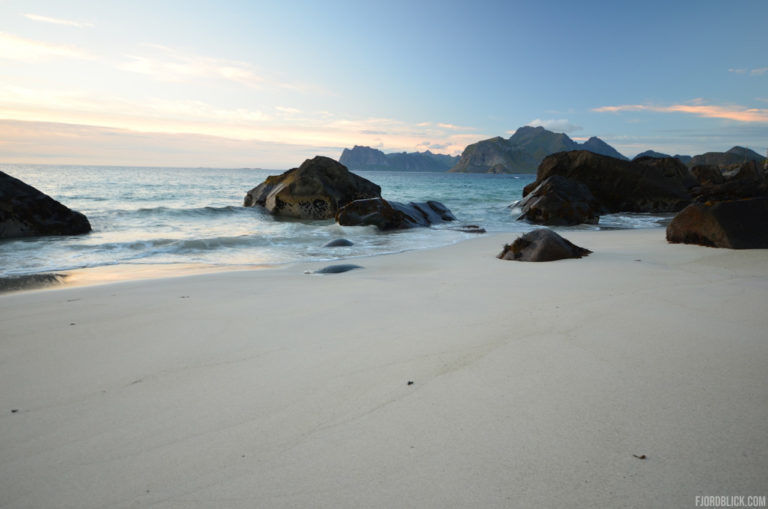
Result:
{"points": [[268, 84]]}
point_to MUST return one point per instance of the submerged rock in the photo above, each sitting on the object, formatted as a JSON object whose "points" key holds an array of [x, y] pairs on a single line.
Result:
{"points": [[337, 269], [542, 245], [386, 215], [315, 190], [734, 224], [27, 212], [339, 243]]}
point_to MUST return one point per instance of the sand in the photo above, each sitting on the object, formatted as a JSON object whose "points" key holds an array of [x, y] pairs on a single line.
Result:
{"points": [[533, 385]]}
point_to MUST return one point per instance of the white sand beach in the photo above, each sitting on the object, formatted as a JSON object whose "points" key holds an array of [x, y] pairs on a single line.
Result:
{"points": [[534, 385]]}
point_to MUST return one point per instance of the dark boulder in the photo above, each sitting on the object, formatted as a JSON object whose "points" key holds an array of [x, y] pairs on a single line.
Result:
{"points": [[734, 224], [646, 185], [27, 212], [542, 245], [315, 190], [390, 215], [560, 201], [743, 181]]}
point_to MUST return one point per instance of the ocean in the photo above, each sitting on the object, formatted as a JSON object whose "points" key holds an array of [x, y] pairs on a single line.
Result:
{"points": [[174, 216]]}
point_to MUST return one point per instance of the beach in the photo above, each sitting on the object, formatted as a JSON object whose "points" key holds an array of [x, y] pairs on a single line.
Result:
{"points": [[444, 377]]}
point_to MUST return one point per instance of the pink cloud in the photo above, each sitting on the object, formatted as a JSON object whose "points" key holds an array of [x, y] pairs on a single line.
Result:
{"points": [[737, 113]]}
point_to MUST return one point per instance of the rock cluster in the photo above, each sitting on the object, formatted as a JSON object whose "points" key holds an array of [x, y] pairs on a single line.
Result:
{"points": [[27, 212], [645, 185], [322, 188]]}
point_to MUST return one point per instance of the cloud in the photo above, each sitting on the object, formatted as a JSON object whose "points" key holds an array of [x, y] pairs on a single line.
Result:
{"points": [[558, 125], [57, 21], [167, 64], [752, 72], [19, 48], [193, 117], [737, 113]]}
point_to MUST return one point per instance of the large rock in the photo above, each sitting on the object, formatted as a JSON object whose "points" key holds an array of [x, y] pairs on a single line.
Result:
{"points": [[560, 201], [743, 181], [735, 224], [390, 215], [646, 185], [315, 190], [542, 245], [27, 212]]}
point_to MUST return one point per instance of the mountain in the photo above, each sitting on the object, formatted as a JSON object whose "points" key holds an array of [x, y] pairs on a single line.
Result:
{"points": [[659, 155], [523, 151], [736, 155], [367, 158], [651, 153]]}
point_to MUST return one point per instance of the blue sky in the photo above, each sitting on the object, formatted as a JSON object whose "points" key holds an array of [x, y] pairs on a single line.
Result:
{"points": [[267, 84]]}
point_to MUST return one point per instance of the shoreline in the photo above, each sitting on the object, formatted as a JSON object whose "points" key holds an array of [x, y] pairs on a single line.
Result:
{"points": [[632, 377]]}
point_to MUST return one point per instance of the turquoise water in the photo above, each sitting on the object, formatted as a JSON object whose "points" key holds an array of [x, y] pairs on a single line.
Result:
{"points": [[195, 215]]}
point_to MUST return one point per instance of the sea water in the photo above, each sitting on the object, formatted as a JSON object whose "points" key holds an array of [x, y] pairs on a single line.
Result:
{"points": [[159, 216]]}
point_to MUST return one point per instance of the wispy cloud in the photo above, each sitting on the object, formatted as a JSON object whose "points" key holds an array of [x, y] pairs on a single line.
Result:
{"points": [[752, 72], [18, 48], [559, 125], [737, 113], [57, 21], [167, 64], [319, 129]]}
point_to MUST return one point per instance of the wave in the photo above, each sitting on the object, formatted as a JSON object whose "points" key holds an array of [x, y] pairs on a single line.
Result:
{"points": [[199, 212]]}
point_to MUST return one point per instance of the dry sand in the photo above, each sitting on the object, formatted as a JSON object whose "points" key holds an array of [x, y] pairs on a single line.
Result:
{"points": [[534, 385]]}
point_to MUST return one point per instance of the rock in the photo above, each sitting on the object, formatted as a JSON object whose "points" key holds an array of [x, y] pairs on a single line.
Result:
{"points": [[744, 181], [386, 215], [315, 190], [27, 212], [337, 269], [542, 245], [468, 228], [707, 175], [560, 201], [339, 243], [646, 185], [734, 224]]}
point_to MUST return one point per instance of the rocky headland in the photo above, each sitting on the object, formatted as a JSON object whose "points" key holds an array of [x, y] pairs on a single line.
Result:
{"points": [[523, 151], [361, 158]]}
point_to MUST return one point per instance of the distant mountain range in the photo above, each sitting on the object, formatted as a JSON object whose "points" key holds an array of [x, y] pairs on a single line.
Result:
{"points": [[521, 153], [367, 158], [524, 151]]}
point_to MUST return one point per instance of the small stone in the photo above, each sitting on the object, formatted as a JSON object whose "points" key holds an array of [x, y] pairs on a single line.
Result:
{"points": [[410, 382]]}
